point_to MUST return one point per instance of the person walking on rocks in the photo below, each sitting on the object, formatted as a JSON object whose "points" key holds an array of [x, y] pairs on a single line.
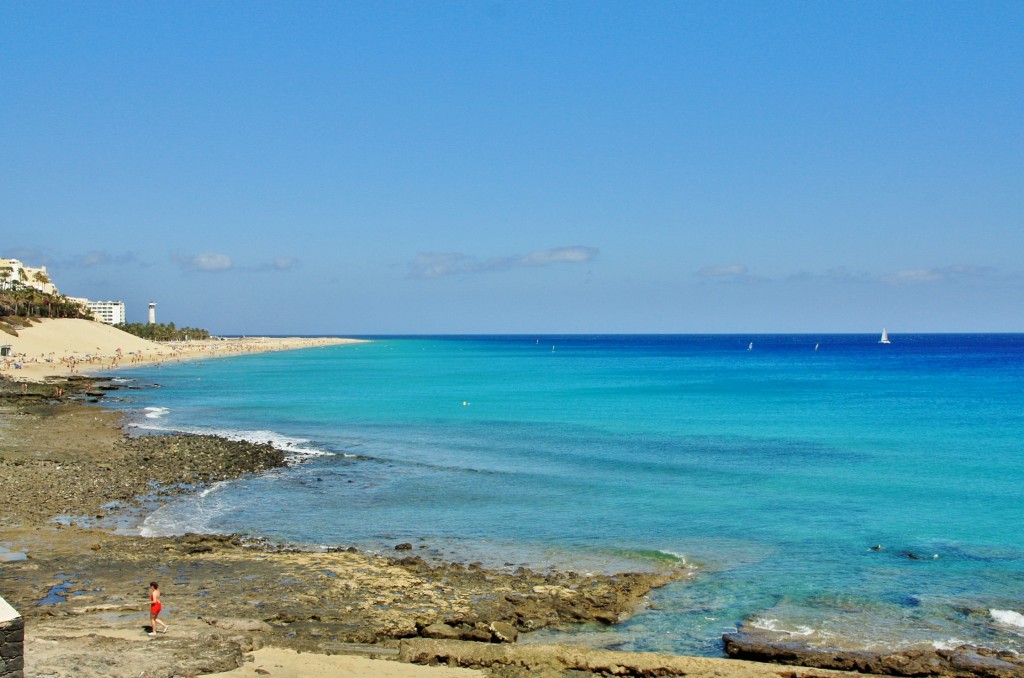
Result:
{"points": [[154, 609]]}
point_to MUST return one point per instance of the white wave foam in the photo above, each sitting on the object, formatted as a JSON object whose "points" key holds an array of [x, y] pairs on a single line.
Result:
{"points": [[152, 526], [159, 525], [768, 624], [678, 556], [1008, 617], [194, 513], [151, 427], [147, 531], [949, 643], [295, 449], [155, 412], [205, 492]]}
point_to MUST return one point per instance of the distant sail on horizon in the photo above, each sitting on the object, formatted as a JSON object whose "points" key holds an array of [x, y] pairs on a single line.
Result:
{"points": [[885, 337]]}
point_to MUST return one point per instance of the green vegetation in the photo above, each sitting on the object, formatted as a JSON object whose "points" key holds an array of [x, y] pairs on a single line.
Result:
{"points": [[27, 302], [162, 332], [19, 305]]}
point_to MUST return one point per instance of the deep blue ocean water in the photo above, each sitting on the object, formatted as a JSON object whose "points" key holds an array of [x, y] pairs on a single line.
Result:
{"points": [[772, 469]]}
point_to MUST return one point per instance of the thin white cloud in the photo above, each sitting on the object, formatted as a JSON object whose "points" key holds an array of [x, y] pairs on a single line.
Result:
{"points": [[214, 262], [913, 276], [921, 276], [284, 263], [58, 261], [97, 258], [839, 274], [558, 255], [209, 262], [438, 264], [730, 272], [91, 259]]}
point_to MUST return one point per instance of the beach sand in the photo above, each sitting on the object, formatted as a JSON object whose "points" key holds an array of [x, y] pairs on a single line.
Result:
{"points": [[63, 347], [282, 663]]}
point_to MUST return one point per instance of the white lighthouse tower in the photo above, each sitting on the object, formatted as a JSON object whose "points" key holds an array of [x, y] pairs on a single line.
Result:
{"points": [[152, 313]]}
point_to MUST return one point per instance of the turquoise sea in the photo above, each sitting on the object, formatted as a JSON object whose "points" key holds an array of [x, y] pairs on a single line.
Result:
{"points": [[769, 464]]}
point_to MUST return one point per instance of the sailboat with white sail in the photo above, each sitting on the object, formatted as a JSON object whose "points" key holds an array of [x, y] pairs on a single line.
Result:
{"points": [[885, 337]]}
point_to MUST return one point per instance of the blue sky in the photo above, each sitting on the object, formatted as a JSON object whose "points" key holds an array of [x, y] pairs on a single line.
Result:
{"points": [[449, 167]]}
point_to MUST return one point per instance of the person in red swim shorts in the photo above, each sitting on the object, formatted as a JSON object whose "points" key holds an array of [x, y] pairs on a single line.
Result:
{"points": [[154, 609]]}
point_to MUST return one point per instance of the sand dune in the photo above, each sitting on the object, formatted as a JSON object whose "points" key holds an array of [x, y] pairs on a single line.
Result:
{"points": [[66, 336]]}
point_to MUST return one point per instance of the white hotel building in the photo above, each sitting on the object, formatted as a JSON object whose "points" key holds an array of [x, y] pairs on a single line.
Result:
{"points": [[14, 274], [109, 312]]}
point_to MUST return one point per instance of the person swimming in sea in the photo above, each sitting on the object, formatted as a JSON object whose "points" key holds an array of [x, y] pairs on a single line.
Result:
{"points": [[154, 609]]}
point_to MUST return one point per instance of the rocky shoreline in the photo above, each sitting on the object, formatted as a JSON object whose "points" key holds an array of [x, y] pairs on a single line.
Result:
{"points": [[965, 661], [82, 588], [65, 460]]}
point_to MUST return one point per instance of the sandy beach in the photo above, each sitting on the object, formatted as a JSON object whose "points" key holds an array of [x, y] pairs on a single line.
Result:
{"points": [[291, 664], [66, 347]]}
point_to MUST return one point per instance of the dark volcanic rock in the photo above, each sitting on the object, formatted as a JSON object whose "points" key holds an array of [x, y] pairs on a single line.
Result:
{"points": [[962, 662], [136, 467]]}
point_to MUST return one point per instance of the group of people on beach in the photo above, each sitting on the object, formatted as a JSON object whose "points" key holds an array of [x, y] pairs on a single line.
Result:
{"points": [[76, 358], [19, 360], [73, 363]]}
